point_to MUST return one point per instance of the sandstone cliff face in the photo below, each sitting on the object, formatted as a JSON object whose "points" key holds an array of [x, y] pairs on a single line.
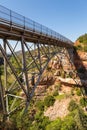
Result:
{"points": [[60, 70], [61, 66]]}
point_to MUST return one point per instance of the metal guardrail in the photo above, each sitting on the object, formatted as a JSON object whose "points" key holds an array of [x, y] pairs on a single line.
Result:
{"points": [[18, 20]]}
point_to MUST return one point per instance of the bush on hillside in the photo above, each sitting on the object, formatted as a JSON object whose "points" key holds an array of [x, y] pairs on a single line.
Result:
{"points": [[41, 122], [78, 92], [55, 93], [83, 38], [40, 105], [69, 124], [72, 105], [82, 43], [49, 101], [81, 119], [83, 102], [54, 125]]}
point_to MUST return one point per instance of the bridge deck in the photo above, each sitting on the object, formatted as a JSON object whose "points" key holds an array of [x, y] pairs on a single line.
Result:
{"points": [[13, 26]]}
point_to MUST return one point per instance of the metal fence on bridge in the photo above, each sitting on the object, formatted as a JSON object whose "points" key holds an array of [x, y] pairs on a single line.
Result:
{"points": [[13, 18]]}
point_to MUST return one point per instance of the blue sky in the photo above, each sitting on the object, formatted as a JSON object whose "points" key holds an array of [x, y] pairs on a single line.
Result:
{"points": [[67, 17]]}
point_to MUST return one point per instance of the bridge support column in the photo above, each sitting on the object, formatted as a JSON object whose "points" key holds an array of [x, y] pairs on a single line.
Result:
{"points": [[71, 54], [25, 66], [5, 78], [2, 101]]}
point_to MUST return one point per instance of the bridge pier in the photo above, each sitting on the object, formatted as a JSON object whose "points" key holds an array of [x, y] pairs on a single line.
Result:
{"points": [[5, 83]]}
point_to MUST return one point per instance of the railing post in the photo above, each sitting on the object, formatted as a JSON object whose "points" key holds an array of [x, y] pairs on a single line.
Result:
{"points": [[41, 28], [47, 31], [33, 26], [24, 22], [11, 19], [51, 33]]}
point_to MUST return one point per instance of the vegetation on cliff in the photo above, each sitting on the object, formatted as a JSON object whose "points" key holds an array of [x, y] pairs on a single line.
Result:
{"points": [[81, 43], [83, 39]]}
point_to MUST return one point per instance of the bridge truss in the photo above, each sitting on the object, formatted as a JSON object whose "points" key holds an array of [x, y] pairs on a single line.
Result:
{"points": [[26, 47], [23, 71]]}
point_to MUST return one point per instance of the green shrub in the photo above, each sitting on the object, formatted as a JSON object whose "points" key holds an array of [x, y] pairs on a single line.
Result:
{"points": [[55, 93], [54, 125], [38, 115], [83, 38], [41, 121], [34, 127], [49, 101], [72, 105], [40, 105], [78, 92], [45, 122], [83, 102], [81, 119], [69, 124]]}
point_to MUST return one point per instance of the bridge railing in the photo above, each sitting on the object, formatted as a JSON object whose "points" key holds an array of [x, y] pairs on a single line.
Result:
{"points": [[13, 18]]}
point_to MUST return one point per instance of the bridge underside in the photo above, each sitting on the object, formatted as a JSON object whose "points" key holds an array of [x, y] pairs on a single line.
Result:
{"points": [[14, 32]]}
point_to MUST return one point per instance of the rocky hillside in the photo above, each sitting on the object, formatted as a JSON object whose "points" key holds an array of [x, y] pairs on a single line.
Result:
{"points": [[67, 82]]}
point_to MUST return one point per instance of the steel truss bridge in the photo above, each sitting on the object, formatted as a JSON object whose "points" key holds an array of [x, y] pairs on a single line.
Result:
{"points": [[23, 69]]}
